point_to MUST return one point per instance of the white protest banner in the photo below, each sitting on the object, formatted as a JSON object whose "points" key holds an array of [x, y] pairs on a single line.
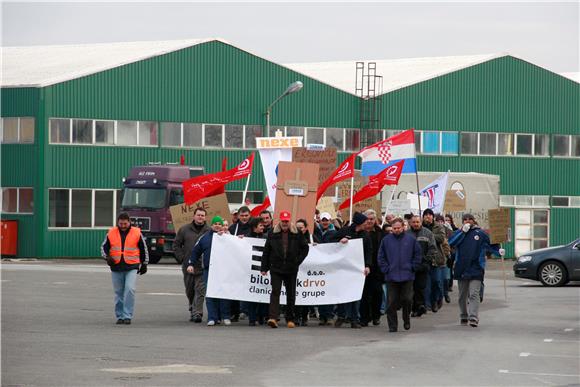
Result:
{"points": [[331, 274]]}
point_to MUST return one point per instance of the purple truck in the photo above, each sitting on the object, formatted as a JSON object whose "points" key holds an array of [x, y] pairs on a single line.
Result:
{"points": [[148, 192]]}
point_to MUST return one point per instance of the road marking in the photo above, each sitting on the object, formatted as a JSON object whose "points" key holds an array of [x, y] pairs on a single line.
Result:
{"points": [[60, 283], [528, 354], [164, 294], [527, 283], [537, 373], [560, 341], [568, 329], [172, 369]]}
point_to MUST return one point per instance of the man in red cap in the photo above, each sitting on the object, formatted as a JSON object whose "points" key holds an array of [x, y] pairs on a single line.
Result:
{"points": [[284, 251]]}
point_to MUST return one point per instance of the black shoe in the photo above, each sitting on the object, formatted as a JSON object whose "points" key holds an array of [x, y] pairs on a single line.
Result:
{"points": [[473, 323], [463, 321], [392, 329], [407, 325], [338, 323], [421, 311], [120, 321], [192, 319], [447, 299], [355, 325], [364, 324], [377, 321], [434, 308], [127, 321], [413, 314], [197, 319], [439, 304], [322, 321], [235, 318]]}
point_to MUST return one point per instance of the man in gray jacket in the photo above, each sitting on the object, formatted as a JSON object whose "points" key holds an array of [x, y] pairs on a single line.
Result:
{"points": [[186, 238]]}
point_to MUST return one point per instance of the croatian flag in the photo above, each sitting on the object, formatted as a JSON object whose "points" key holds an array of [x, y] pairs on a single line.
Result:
{"points": [[385, 153]]}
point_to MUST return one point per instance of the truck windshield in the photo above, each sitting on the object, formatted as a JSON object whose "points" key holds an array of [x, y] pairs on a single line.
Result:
{"points": [[148, 198]]}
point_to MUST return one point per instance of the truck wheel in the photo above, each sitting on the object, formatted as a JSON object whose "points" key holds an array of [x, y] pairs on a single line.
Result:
{"points": [[154, 258]]}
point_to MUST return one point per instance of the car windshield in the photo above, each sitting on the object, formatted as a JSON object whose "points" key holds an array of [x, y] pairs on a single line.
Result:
{"points": [[147, 198]]}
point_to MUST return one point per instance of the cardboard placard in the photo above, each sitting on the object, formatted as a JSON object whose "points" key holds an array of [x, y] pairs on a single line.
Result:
{"points": [[454, 201], [499, 225], [325, 158], [344, 194], [182, 214], [301, 207], [399, 207], [325, 204]]}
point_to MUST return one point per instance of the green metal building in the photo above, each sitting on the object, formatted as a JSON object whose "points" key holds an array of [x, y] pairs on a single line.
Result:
{"points": [[76, 118]]}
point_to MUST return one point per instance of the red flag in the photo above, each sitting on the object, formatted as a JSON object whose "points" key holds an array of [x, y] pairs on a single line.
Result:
{"points": [[200, 187], [258, 209], [388, 176], [344, 171], [221, 189]]}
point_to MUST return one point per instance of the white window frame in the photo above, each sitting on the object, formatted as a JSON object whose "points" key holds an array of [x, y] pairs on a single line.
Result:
{"points": [[92, 227], [560, 196], [18, 130], [476, 146], [17, 199], [516, 135], [569, 154], [307, 129]]}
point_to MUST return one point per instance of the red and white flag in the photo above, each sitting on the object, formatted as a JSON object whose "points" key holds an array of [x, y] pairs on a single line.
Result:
{"points": [[389, 176], [200, 187], [344, 171]]}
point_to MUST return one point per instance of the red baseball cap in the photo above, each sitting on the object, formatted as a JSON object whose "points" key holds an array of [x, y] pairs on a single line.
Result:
{"points": [[285, 215]]}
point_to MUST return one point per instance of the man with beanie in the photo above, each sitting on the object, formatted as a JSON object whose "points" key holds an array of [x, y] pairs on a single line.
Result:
{"points": [[356, 230], [186, 238], [217, 309], [471, 243], [399, 257], [284, 252]]}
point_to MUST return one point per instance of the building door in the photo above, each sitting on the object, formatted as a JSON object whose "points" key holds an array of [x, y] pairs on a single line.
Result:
{"points": [[532, 230]]}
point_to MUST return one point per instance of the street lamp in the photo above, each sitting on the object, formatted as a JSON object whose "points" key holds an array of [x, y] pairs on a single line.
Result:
{"points": [[293, 88]]}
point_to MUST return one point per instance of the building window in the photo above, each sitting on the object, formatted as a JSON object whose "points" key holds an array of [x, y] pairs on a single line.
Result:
{"points": [[431, 143], [352, 140], [234, 136], [17, 130], [418, 148], [127, 132], [60, 131], [561, 145], [102, 132], [192, 135], [575, 146], [251, 132], [105, 132], [449, 143], [541, 145], [524, 143], [82, 208], [274, 129], [213, 136], [560, 201], [505, 144], [314, 136], [487, 143], [294, 131], [468, 143], [171, 133], [335, 138], [18, 200], [82, 131], [147, 133]]}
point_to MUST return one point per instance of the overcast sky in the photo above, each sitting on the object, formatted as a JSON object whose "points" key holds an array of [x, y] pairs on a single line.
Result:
{"points": [[545, 33]]}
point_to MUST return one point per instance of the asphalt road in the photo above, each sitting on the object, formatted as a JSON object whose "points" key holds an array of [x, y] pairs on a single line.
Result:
{"points": [[58, 330]]}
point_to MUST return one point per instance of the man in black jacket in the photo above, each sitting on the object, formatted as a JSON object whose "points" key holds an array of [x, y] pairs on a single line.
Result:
{"points": [[355, 231], [372, 297], [284, 252], [186, 238]]}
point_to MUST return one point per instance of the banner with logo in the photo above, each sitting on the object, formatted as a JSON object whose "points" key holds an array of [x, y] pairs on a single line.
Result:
{"points": [[332, 273]]}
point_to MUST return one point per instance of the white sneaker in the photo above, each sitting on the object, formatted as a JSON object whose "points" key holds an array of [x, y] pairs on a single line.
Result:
{"points": [[227, 321], [210, 323]]}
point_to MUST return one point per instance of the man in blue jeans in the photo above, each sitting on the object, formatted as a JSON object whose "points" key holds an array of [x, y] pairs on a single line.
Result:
{"points": [[216, 308], [126, 253]]}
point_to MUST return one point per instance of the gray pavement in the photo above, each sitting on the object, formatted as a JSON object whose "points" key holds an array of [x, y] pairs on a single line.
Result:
{"points": [[58, 330]]}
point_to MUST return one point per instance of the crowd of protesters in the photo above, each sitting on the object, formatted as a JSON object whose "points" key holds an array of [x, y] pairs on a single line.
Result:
{"points": [[410, 266]]}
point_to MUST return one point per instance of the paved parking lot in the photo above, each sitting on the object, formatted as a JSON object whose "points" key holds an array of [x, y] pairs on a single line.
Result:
{"points": [[58, 329]]}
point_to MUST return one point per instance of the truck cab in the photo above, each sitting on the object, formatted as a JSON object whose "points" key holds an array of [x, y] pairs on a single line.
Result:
{"points": [[148, 192]]}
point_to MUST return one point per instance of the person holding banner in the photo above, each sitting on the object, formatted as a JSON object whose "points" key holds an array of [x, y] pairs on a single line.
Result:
{"points": [[356, 230], [284, 252], [324, 232], [372, 297], [217, 309], [184, 242], [399, 257], [257, 311], [242, 227]]}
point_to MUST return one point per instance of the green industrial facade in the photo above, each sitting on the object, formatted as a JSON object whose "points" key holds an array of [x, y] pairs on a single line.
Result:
{"points": [[216, 83]]}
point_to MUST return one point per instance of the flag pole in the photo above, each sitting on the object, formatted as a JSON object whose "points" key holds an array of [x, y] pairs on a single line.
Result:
{"points": [[243, 200], [388, 204], [351, 194]]}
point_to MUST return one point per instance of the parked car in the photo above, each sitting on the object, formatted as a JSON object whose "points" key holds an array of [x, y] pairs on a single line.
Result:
{"points": [[552, 266]]}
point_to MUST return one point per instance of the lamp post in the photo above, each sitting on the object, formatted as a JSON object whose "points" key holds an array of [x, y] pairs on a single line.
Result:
{"points": [[293, 88]]}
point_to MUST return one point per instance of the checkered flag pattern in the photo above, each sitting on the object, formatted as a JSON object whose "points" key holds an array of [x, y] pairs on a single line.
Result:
{"points": [[385, 152]]}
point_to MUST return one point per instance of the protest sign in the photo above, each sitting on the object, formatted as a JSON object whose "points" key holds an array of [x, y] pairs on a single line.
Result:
{"points": [[182, 214], [499, 225], [325, 204], [332, 273], [326, 160]]}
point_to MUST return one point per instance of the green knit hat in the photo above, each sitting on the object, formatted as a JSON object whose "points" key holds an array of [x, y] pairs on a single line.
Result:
{"points": [[217, 219]]}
